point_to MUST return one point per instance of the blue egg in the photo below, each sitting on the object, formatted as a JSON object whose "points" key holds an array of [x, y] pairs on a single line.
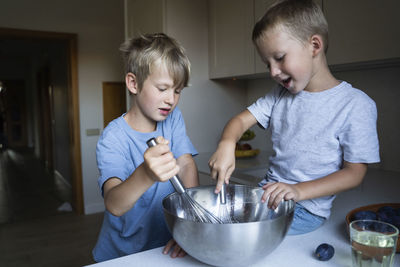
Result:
{"points": [[324, 252]]}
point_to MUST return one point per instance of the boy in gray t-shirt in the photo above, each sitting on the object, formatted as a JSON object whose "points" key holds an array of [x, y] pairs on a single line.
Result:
{"points": [[323, 130]]}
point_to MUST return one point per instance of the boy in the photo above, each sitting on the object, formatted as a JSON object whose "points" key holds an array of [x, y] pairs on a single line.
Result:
{"points": [[134, 178], [323, 130]]}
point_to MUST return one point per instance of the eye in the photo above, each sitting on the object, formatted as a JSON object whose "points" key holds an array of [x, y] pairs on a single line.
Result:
{"points": [[280, 58], [161, 89], [178, 91]]}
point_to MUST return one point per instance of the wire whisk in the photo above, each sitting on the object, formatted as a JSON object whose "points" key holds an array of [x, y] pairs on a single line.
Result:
{"points": [[192, 209], [223, 211]]}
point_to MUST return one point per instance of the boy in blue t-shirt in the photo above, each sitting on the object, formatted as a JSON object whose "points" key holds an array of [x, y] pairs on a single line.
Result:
{"points": [[323, 130], [134, 178]]}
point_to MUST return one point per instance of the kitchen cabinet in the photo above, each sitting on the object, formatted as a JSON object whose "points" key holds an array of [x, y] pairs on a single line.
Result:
{"points": [[231, 50], [144, 17], [362, 30]]}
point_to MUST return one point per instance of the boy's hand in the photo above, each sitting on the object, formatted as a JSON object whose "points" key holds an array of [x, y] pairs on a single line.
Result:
{"points": [[275, 192], [159, 161], [176, 252], [222, 164]]}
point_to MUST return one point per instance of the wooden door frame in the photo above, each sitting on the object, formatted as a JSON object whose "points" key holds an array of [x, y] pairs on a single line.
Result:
{"points": [[73, 103]]}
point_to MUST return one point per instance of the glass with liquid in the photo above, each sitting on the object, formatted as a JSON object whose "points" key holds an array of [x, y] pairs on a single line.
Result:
{"points": [[373, 243]]}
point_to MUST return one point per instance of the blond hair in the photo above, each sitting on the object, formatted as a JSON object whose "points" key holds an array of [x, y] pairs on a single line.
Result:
{"points": [[302, 19], [141, 53]]}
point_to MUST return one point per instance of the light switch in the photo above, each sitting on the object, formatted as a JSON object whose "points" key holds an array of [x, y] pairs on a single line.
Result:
{"points": [[91, 132]]}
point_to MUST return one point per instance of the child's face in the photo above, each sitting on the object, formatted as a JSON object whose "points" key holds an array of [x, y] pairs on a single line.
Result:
{"points": [[289, 60], [158, 97]]}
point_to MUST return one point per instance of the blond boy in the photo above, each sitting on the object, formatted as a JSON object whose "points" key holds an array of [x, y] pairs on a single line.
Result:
{"points": [[323, 130], [133, 178]]}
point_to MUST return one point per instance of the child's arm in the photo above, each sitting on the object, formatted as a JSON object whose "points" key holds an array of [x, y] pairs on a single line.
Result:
{"points": [[222, 162], [351, 175], [188, 171], [159, 165]]}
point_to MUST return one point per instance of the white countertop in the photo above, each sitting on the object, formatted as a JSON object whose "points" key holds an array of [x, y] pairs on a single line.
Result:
{"points": [[258, 163], [378, 187]]}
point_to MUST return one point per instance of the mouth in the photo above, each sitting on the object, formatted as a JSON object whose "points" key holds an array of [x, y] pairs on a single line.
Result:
{"points": [[286, 82], [164, 111]]}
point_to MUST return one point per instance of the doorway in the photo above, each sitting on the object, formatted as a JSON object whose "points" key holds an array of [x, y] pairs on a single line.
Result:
{"points": [[114, 101], [53, 135]]}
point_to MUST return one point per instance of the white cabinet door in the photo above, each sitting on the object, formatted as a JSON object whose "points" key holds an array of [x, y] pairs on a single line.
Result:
{"points": [[231, 52], [260, 7], [362, 30], [144, 16]]}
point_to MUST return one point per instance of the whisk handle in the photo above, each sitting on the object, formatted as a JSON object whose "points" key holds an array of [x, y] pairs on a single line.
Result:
{"points": [[222, 196], [175, 181]]}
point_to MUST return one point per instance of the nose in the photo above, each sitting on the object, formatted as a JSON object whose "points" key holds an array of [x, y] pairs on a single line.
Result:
{"points": [[274, 70], [170, 97]]}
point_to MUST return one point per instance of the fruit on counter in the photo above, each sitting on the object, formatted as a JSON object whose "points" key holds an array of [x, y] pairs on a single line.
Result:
{"points": [[324, 252], [365, 215], [244, 150], [246, 153], [244, 146], [247, 135], [386, 214]]}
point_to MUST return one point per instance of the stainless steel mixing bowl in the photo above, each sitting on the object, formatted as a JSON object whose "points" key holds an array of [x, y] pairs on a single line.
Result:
{"points": [[258, 232]]}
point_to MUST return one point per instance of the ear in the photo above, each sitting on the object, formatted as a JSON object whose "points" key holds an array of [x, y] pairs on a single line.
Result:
{"points": [[317, 45], [131, 83]]}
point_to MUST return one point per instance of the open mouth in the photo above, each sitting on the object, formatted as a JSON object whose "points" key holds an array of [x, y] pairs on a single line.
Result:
{"points": [[164, 111], [286, 82]]}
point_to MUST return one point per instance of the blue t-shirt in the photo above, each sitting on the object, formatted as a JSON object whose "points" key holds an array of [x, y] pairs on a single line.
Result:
{"points": [[119, 152], [312, 133]]}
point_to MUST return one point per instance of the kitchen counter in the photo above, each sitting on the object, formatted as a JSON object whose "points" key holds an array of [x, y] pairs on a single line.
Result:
{"points": [[248, 171], [377, 187]]}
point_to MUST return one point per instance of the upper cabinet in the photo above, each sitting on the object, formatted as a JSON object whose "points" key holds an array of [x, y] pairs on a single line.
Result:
{"points": [[362, 30], [144, 16], [359, 31], [231, 51]]}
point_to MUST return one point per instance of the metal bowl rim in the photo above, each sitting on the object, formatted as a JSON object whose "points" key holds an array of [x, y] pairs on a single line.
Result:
{"points": [[208, 186]]}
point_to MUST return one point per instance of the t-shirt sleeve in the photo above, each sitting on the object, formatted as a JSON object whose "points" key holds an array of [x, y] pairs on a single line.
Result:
{"points": [[262, 108], [181, 143], [111, 159], [358, 137]]}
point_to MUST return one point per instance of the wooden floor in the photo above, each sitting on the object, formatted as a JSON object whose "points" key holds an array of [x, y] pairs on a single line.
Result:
{"points": [[33, 231]]}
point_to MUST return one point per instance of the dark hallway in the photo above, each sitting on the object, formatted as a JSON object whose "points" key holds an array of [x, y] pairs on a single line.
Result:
{"points": [[27, 189], [33, 231]]}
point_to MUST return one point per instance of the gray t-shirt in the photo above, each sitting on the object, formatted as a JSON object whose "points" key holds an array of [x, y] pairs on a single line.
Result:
{"points": [[312, 133]]}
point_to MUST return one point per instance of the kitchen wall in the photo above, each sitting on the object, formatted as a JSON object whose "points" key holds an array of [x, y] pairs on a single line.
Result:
{"points": [[381, 84]]}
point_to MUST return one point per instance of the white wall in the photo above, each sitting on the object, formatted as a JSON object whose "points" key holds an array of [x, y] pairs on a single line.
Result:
{"points": [[100, 29]]}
